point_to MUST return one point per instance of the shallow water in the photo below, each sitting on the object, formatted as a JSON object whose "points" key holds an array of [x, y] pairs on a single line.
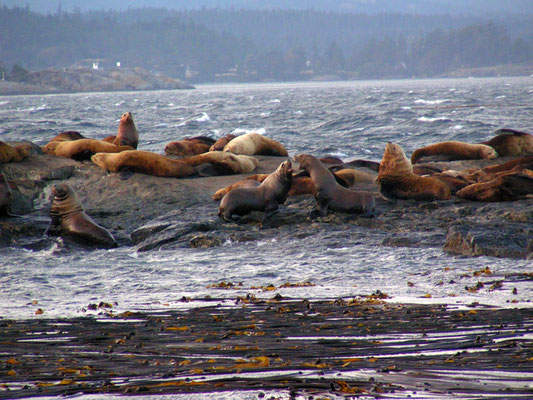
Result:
{"points": [[346, 119]]}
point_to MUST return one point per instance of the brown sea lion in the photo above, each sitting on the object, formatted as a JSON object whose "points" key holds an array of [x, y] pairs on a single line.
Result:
{"points": [[110, 139], [6, 196], [221, 142], [450, 151], [524, 162], [69, 220], [144, 162], [82, 149], [9, 154], [190, 146], [397, 180], [127, 134], [224, 163], [330, 195], [250, 181], [509, 142], [255, 144], [67, 136], [373, 165], [266, 197], [509, 186]]}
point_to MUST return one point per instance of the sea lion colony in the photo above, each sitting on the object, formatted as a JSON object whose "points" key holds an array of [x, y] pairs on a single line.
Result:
{"points": [[329, 179]]}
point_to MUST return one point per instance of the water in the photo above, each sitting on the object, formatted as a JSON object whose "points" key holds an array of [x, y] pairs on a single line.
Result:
{"points": [[346, 119]]}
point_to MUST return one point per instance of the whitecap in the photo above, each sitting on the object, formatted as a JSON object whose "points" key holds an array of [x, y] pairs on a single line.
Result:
{"points": [[203, 118], [119, 103], [457, 127], [427, 119], [430, 102], [406, 108], [501, 97], [241, 131], [275, 101]]}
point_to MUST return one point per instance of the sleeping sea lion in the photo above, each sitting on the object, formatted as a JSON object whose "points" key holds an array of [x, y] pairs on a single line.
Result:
{"points": [[144, 162], [397, 180], [509, 142], [82, 149], [450, 151], [224, 163], [9, 154], [190, 146], [127, 134], [69, 220], [255, 144], [506, 186], [330, 195], [221, 142], [67, 136], [266, 197]]}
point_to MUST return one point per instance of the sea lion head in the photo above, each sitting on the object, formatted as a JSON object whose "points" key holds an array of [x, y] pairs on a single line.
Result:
{"points": [[394, 161], [305, 160], [23, 150], [487, 152], [127, 118], [285, 170], [66, 200]]}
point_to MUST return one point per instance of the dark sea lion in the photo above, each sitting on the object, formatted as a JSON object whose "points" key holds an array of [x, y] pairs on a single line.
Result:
{"points": [[510, 186], [266, 197], [68, 136], [221, 142], [9, 154], [69, 220], [397, 180], [333, 196], [144, 162], [255, 144], [190, 146], [224, 162], [6, 196], [450, 151], [509, 142], [82, 149], [127, 134]]}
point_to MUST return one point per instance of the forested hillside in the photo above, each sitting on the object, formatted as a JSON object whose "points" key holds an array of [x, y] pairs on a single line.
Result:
{"points": [[243, 45]]}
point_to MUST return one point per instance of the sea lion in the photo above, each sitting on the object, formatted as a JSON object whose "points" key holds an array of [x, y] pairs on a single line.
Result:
{"points": [[9, 154], [190, 146], [67, 136], [331, 195], [82, 149], [266, 197], [224, 163], [450, 151], [511, 186], [110, 139], [255, 144], [6, 196], [251, 181], [509, 142], [127, 134], [221, 142], [397, 180], [372, 165], [144, 162], [70, 220]]}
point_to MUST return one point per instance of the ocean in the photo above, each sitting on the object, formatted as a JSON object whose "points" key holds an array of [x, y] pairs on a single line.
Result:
{"points": [[346, 119]]}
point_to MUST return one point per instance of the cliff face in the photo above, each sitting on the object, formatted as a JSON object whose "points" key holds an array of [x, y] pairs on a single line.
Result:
{"points": [[90, 80]]}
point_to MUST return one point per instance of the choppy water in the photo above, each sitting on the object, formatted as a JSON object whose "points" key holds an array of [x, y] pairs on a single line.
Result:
{"points": [[346, 119]]}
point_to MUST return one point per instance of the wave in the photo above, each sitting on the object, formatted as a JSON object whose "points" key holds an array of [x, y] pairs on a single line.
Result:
{"points": [[242, 131], [430, 102], [428, 119]]}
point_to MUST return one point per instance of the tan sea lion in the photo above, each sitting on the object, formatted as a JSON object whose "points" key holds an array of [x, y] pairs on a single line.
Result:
{"points": [[82, 149], [510, 186], [224, 162], [127, 134], [266, 197], [9, 154], [449, 151], [251, 181], [331, 195], [190, 146], [509, 142], [6, 196], [70, 220], [255, 144], [397, 180], [221, 142], [67, 136], [144, 162]]}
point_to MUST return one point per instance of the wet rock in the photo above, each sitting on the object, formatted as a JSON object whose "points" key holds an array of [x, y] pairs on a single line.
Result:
{"points": [[515, 241], [205, 241]]}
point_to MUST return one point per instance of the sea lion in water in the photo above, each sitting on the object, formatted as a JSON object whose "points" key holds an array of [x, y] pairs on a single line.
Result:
{"points": [[265, 197], [252, 143], [70, 220], [127, 134], [509, 142], [397, 180], [331, 195], [9, 154], [82, 149], [450, 151], [190, 146], [224, 163], [506, 186], [6, 196], [144, 162], [221, 142]]}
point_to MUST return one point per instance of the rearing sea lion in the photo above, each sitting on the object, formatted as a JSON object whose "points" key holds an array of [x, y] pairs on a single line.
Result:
{"points": [[331, 195], [127, 134], [450, 151], [265, 197], [70, 220]]}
